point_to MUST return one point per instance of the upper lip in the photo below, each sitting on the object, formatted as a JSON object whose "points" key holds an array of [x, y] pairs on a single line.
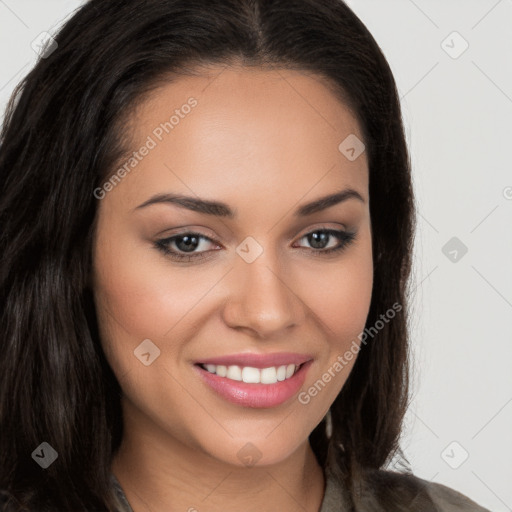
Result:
{"points": [[258, 360]]}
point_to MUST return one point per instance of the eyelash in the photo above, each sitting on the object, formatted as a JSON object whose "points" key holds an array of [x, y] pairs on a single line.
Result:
{"points": [[345, 238]]}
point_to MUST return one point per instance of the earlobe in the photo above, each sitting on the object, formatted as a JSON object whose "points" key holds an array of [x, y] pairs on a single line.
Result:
{"points": [[328, 424]]}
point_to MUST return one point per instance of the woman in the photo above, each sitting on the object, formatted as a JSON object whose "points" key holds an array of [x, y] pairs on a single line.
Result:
{"points": [[207, 223]]}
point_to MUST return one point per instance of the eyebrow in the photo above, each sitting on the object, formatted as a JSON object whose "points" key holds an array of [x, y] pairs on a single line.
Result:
{"points": [[220, 209]]}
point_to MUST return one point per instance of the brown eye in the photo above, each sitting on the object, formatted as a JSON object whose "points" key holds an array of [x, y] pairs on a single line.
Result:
{"points": [[184, 246], [320, 239]]}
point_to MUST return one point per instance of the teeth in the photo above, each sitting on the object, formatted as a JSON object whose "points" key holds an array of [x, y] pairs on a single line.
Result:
{"points": [[281, 373], [234, 373], [221, 370], [251, 375], [268, 375]]}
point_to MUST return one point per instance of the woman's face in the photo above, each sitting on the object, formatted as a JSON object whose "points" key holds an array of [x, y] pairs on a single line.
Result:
{"points": [[257, 289]]}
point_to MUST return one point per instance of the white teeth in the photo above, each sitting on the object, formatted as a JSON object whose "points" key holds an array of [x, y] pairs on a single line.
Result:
{"points": [[269, 375], [252, 375], [234, 373], [221, 370]]}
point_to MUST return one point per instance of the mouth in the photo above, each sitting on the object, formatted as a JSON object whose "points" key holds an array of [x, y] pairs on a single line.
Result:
{"points": [[261, 385], [251, 375]]}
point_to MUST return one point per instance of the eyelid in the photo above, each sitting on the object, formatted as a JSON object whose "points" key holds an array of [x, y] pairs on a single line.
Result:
{"points": [[344, 238], [186, 230], [200, 231], [320, 227]]}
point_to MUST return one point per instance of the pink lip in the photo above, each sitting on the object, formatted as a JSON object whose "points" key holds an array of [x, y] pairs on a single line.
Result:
{"points": [[258, 360], [255, 395]]}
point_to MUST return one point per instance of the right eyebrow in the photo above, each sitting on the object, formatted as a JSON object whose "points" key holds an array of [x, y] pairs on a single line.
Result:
{"points": [[221, 209]]}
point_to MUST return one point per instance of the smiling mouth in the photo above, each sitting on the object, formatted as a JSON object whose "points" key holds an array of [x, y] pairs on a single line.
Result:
{"points": [[251, 375], [248, 386]]}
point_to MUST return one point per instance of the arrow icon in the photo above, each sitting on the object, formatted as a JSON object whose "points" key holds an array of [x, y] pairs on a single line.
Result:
{"points": [[143, 354], [351, 147], [44, 455], [454, 249], [454, 45], [249, 252], [454, 455], [249, 454]]}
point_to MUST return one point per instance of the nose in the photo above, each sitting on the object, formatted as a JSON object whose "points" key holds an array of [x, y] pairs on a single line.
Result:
{"points": [[261, 299]]}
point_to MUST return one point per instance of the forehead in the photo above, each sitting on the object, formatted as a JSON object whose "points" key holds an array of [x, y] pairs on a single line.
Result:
{"points": [[239, 128]]}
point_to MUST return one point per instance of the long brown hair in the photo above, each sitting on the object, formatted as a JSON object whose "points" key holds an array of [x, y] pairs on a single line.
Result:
{"points": [[61, 135]]}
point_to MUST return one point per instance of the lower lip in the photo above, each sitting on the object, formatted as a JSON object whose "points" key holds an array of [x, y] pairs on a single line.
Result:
{"points": [[255, 395]]}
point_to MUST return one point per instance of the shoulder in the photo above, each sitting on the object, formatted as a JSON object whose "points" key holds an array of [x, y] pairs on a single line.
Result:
{"points": [[385, 491], [385, 488]]}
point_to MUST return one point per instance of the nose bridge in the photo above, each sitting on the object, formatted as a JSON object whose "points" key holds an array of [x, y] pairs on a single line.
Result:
{"points": [[261, 297]]}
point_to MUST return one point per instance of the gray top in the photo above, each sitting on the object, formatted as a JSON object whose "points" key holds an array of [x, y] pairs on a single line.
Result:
{"points": [[380, 487]]}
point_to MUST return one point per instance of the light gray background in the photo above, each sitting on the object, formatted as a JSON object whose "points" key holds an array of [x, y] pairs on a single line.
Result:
{"points": [[458, 114]]}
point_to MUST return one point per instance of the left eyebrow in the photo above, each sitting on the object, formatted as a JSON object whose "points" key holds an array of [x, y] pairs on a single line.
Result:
{"points": [[327, 201], [220, 209]]}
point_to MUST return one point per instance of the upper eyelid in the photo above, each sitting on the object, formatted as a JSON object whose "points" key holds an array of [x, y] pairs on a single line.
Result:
{"points": [[214, 241], [197, 231]]}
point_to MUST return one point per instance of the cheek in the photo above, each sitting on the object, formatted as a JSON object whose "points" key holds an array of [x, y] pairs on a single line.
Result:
{"points": [[139, 296], [339, 292], [339, 296]]}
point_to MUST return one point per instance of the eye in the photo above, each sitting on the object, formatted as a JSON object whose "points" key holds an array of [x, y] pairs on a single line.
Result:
{"points": [[328, 241], [186, 245]]}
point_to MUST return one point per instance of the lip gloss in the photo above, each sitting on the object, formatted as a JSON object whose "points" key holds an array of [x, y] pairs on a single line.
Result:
{"points": [[255, 395]]}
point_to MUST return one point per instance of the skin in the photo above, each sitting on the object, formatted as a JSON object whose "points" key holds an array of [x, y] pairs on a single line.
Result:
{"points": [[264, 142]]}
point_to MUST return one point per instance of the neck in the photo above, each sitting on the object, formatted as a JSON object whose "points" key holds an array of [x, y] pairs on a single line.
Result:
{"points": [[160, 473]]}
